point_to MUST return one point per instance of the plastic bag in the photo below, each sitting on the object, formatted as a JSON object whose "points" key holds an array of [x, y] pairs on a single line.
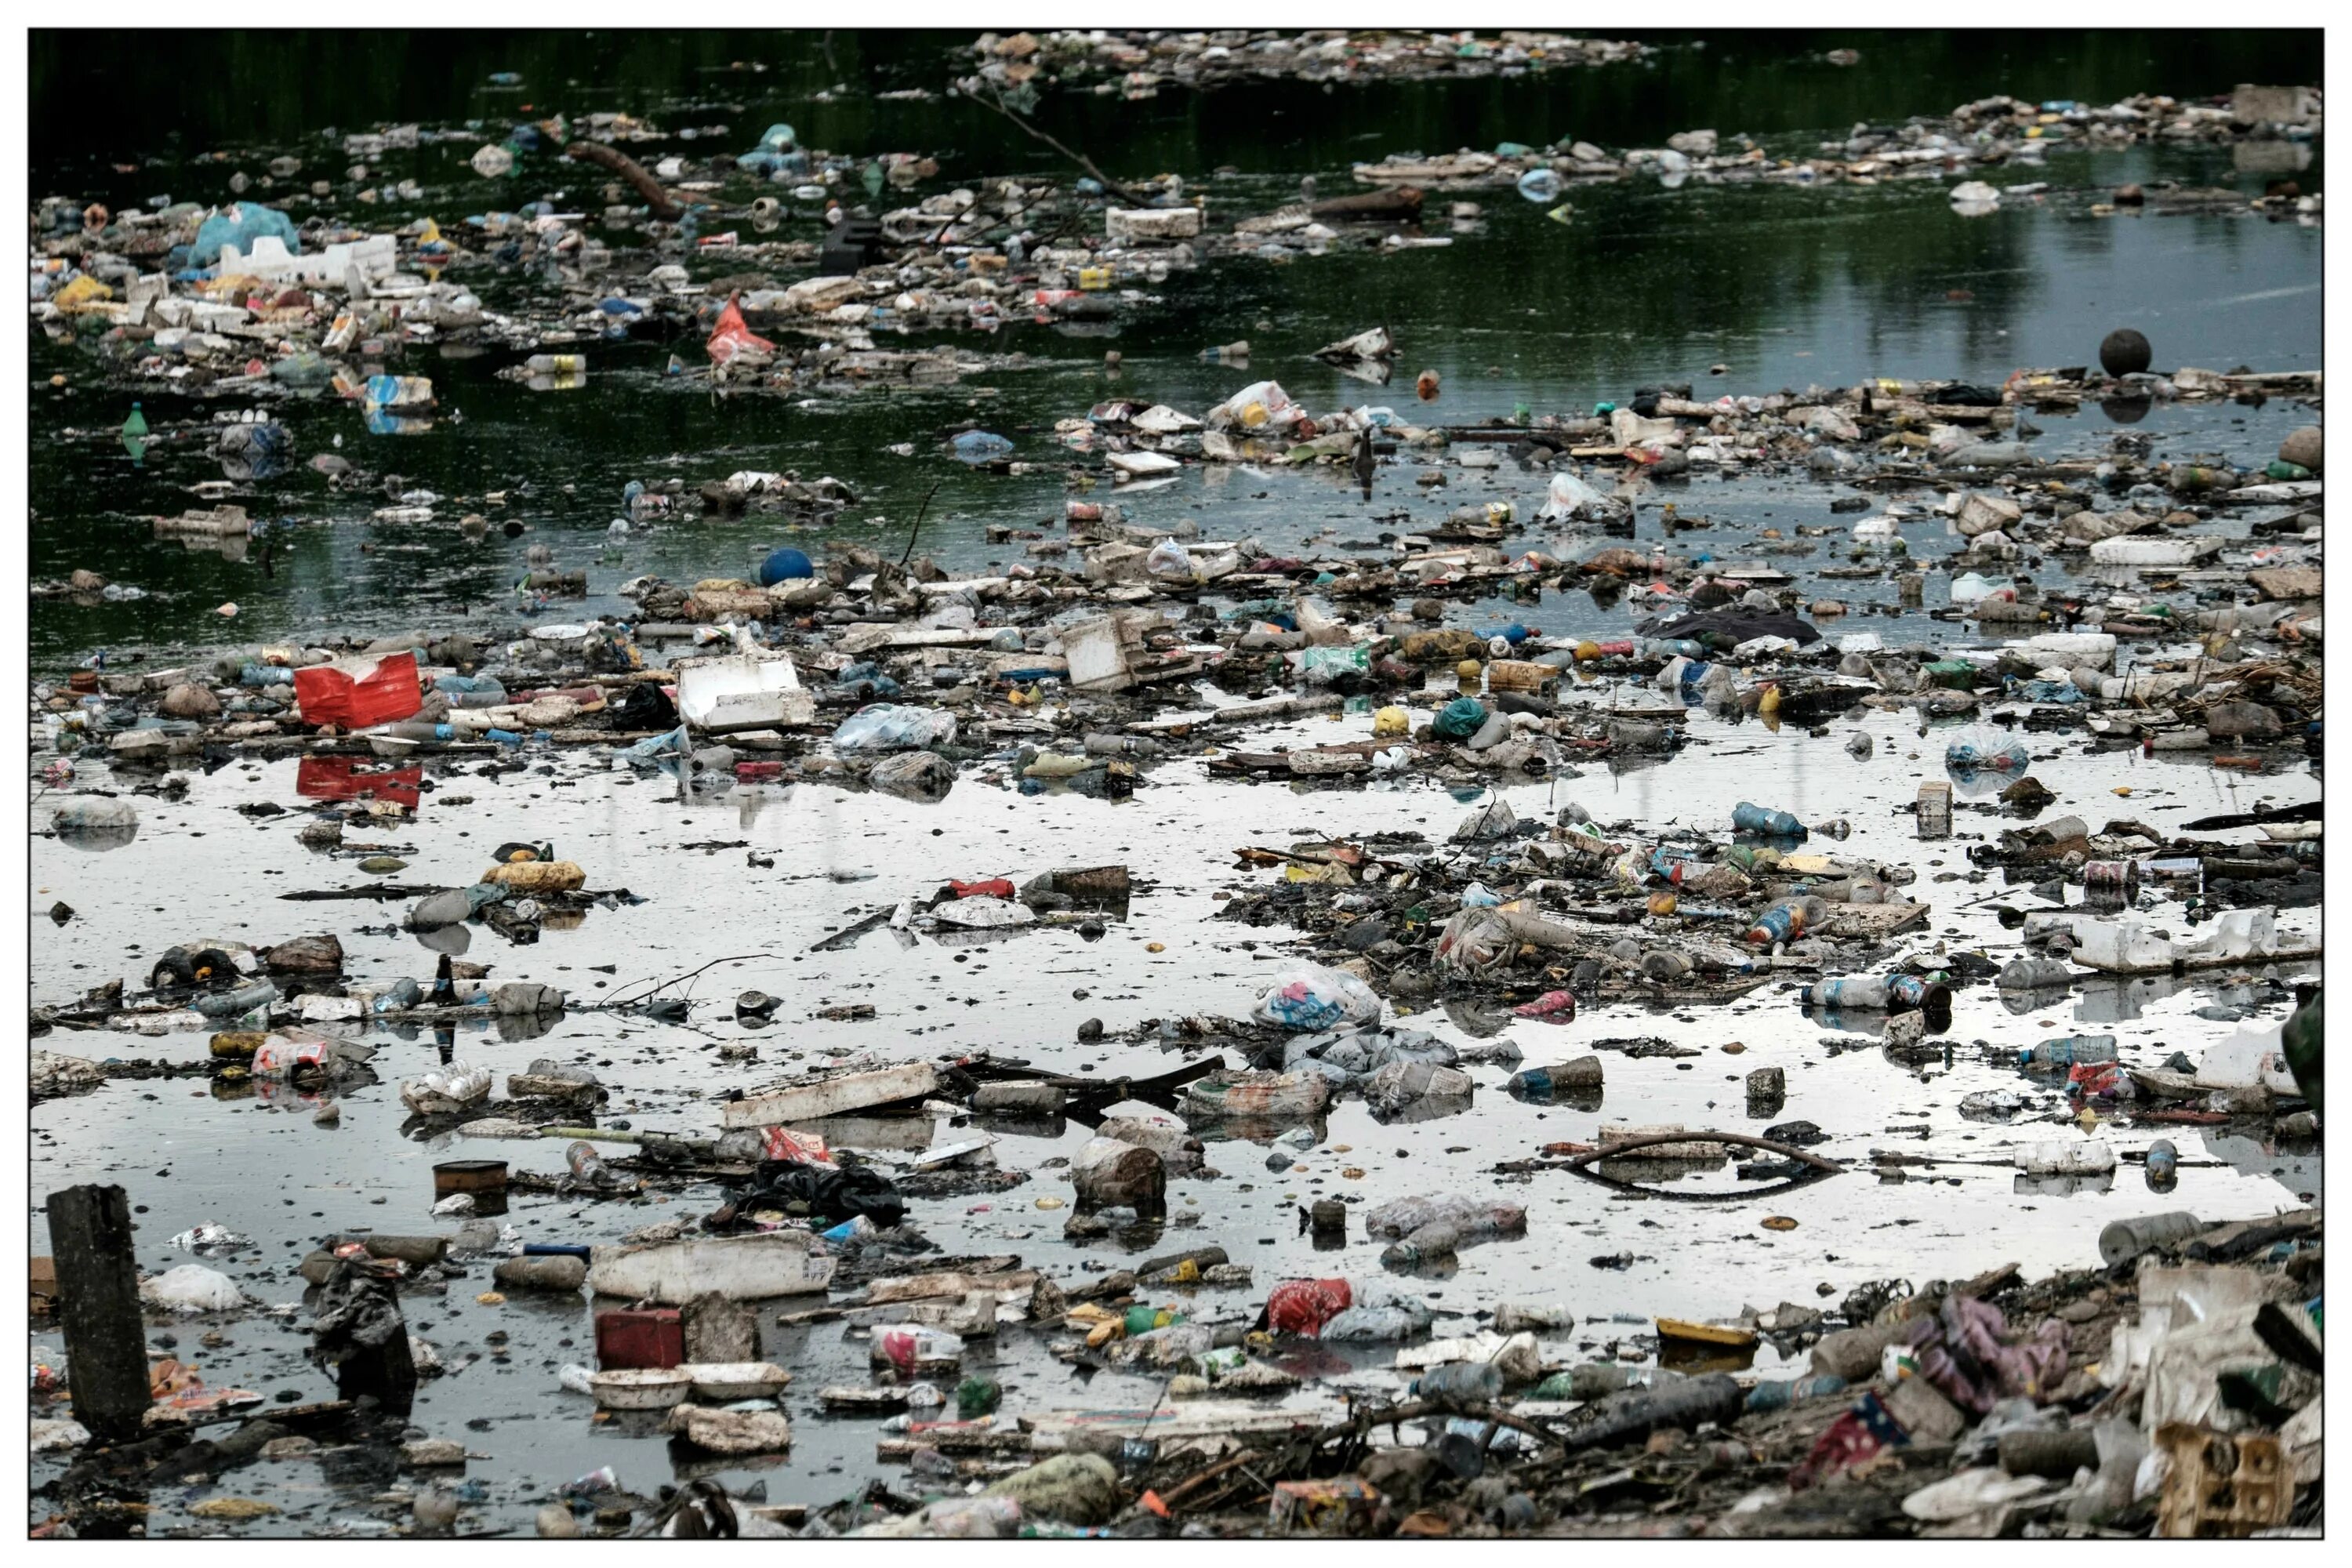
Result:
{"points": [[1311, 996], [831, 1191], [1571, 496], [239, 223], [1322, 666], [192, 1288], [887, 726], [731, 338], [981, 447], [1260, 405], [1491, 821], [924, 777], [1472, 1217], [445, 1089], [1460, 718], [770, 156], [1304, 1306], [1170, 562]]}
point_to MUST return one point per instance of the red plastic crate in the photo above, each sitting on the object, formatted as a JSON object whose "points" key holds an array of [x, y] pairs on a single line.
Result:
{"points": [[647, 1337]]}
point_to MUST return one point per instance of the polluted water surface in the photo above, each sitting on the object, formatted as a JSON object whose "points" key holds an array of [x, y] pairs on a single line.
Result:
{"points": [[837, 867]]}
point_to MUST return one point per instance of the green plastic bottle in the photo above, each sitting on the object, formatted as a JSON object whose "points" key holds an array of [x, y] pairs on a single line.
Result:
{"points": [[2302, 1038], [136, 425]]}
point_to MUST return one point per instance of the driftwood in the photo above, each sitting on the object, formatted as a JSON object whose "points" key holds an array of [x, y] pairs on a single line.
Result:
{"points": [[662, 204], [1402, 205]]}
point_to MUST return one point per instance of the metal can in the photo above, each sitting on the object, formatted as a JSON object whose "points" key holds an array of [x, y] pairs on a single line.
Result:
{"points": [[2110, 884]]}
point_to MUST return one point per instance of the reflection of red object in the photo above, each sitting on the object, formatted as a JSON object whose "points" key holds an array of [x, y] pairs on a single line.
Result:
{"points": [[994, 888], [752, 772], [353, 778], [357, 692]]}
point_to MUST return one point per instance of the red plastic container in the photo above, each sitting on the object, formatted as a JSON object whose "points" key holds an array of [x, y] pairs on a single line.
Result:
{"points": [[640, 1337], [358, 692]]}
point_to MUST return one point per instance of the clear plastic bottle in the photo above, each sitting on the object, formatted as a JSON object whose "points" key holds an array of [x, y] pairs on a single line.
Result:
{"points": [[1459, 1383], [235, 1004], [2069, 1051]]}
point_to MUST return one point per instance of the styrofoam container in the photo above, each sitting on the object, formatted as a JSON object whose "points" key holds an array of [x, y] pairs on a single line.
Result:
{"points": [[641, 1387], [373, 256], [742, 692], [727, 1380]]}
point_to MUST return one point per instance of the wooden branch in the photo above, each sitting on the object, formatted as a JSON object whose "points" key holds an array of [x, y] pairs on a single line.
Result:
{"points": [[992, 100], [663, 204]]}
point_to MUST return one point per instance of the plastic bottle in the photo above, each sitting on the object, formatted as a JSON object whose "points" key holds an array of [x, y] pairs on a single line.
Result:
{"points": [[2126, 1238], [2163, 1165], [2034, 975], [2090, 1157], [586, 1165], [1659, 648], [238, 1002], [1783, 922], [556, 365], [1460, 1383], [1674, 866], [400, 996], [1878, 994], [2066, 1051], [1749, 817]]}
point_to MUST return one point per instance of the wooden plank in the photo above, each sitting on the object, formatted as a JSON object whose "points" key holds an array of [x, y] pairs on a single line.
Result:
{"points": [[831, 1096], [97, 1308]]}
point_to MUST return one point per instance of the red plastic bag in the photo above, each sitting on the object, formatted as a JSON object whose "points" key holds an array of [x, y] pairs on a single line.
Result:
{"points": [[799, 1148], [2096, 1078], [1552, 1007], [1304, 1306], [353, 778], [357, 692], [731, 337], [1865, 1431], [994, 888]]}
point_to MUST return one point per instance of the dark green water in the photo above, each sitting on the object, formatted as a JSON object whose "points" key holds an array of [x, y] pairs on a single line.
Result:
{"points": [[1782, 286]]}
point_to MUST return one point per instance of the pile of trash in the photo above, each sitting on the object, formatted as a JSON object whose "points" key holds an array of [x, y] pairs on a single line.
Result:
{"points": [[1135, 65], [2274, 130]]}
